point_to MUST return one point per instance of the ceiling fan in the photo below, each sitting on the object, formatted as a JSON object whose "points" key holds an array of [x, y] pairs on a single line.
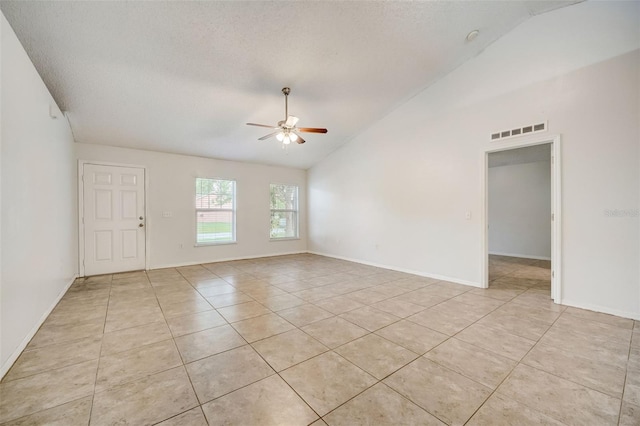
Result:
{"points": [[286, 130]]}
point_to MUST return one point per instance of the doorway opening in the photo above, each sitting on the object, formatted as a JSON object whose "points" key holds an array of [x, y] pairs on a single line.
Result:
{"points": [[522, 217]]}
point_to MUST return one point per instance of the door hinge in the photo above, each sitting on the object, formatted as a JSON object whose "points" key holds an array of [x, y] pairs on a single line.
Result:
{"points": [[553, 274], [553, 216]]}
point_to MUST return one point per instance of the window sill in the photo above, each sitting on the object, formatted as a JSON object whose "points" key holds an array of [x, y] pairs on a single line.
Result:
{"points": [[223, 243], [284, 239]]}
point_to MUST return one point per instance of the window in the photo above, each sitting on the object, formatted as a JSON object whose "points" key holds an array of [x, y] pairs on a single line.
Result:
{"points": [[284, 211], [215, 211]]}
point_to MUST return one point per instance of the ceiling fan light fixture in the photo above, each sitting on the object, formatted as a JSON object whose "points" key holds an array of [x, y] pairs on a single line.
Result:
{"points": [[286, 140], [293, 137], [280, 136]]}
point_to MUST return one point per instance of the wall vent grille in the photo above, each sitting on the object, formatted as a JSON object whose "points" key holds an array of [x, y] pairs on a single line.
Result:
{"points": [[519, 131]]}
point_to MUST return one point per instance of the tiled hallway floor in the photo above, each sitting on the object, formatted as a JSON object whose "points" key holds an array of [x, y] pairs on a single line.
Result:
{"points": [[287, 340]]}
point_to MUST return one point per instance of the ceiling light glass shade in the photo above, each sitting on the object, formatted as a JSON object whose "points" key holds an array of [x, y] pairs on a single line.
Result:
{"points": [[293, 137], [280, 136], [286, 140]]}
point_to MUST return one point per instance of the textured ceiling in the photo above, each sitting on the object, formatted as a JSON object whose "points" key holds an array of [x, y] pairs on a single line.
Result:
{"points": [[184, 77]]}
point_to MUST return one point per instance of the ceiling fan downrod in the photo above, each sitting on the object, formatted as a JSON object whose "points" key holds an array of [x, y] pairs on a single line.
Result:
{"points": [[286, 92]]}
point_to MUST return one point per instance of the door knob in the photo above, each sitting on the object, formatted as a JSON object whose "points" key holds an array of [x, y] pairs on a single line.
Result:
{"points": [[141, 225]]}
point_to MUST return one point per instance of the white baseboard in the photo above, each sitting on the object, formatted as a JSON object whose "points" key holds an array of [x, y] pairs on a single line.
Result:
{"points": [[524, 256], [14, 356], [604, 310], [407, 271], [226, 259], [596, 308]]}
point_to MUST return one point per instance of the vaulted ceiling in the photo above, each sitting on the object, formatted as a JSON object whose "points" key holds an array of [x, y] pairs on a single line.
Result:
{"points": [[185, 77]]}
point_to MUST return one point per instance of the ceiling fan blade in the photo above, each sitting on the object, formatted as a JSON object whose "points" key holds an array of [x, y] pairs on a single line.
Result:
{"points": [[300, 140], [291, 121], [270, 135], [311, 130], [261, 125]]}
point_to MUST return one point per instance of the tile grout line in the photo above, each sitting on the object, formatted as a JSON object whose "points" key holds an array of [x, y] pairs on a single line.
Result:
{"points": [[247, 344], [626, 373], [378, 381], [184, 365], [564, 378], [95, 382], [126, 382], [511, 372], [521, 363]]}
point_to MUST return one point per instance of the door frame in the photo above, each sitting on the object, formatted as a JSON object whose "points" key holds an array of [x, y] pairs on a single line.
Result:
{"points": [[556, 205], [81, 164]]}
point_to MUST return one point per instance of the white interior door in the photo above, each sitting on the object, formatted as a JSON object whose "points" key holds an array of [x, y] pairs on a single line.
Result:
{"points": [[113, 219]]}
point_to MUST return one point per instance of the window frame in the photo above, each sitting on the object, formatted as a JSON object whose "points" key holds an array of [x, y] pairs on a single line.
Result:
{"points": [[232, 210], [296, 211]]}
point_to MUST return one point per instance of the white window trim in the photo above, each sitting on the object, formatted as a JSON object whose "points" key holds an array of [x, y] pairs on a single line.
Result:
{"points": [[296, 211], [233, 217]]}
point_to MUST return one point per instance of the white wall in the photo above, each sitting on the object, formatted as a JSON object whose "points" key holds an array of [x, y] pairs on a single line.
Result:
{"points": [[171, 189], [38, 225], [397, 194], [520, 210]]}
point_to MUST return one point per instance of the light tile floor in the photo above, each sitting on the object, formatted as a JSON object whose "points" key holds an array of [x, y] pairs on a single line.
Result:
{"points": [[305, 339]]}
